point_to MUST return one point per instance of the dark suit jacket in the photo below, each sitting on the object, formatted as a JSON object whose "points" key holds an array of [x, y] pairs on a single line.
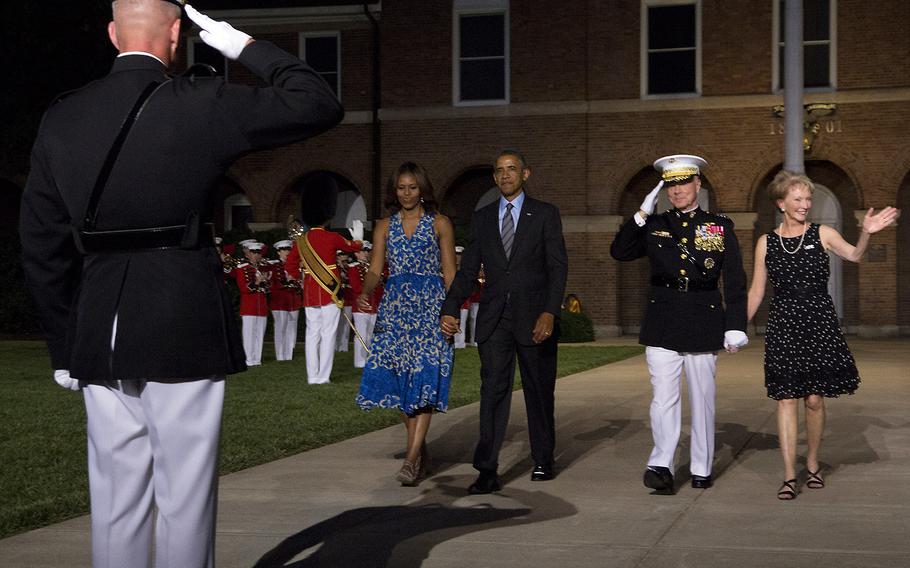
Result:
{"points": [[174, 316], [692, 321], [533, 277]]}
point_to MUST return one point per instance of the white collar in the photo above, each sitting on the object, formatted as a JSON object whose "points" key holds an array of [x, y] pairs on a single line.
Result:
{"points": [[125, 53]]}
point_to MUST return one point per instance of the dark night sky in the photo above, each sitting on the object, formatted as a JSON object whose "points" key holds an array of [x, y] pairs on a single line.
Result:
{"points": [[52, 46]]}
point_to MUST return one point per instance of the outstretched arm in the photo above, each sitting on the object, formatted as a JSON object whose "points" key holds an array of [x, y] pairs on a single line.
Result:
{"points": [[833, 241]]}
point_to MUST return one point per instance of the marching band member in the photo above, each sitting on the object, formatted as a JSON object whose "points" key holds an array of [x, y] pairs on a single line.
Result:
{"points": [[458, 340], [344, 331], [284, 302], [253, 281], [321, 305], [364, 318]]}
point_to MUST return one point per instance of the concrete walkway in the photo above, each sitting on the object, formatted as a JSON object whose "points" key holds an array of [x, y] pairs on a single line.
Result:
{"points": [[339, 506]]}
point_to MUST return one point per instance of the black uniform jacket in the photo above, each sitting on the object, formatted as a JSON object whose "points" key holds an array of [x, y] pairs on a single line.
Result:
{"points": [[532, 278], [685, 311], [174, 318]]}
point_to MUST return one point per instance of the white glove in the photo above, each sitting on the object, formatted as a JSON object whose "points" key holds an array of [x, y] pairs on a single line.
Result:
{"points": [[735, 338], [63, 378], [219, 35], [650, 202], [357, 230]]}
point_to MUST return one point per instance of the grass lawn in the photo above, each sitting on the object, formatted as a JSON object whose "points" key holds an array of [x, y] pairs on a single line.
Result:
{"points": [[270, 412]]}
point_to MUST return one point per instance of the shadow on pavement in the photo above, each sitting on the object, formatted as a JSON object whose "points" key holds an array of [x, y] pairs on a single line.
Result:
{"points": [[403, 535]]}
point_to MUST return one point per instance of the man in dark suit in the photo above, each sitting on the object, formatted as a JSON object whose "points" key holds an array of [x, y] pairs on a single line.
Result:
{"points": [[124, 271], [685, 322], [518, 241]]}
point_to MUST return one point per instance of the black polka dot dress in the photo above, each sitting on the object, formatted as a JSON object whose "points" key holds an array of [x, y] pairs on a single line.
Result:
{"points": [[805, 351]]}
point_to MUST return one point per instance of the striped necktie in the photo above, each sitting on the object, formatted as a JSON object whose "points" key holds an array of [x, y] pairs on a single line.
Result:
{"points": [[508, 230]]}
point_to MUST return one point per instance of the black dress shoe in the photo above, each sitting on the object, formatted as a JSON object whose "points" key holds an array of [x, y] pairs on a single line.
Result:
{"points": [[659, 479], [487, 482], [542, 473], [701, 482]]}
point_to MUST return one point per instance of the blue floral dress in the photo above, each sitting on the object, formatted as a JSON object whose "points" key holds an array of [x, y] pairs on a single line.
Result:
{"points": [[410, 362]]}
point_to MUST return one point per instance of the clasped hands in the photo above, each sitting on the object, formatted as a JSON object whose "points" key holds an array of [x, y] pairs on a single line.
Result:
{"points": [[734, 340], [543, 327]]}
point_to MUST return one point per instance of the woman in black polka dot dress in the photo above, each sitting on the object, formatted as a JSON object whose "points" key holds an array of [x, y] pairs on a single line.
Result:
{"points": [[806, 356]]}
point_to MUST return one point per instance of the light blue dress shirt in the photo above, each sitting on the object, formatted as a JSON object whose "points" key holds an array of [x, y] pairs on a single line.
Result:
{"points": [[516, 209]]}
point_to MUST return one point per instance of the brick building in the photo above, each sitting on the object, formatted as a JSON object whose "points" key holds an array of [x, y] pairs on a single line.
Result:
{"points": [[592, 92]]}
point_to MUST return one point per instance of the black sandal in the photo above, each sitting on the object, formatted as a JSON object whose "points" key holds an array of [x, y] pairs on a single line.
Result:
{"points": [[814, 480], [788, 490]]}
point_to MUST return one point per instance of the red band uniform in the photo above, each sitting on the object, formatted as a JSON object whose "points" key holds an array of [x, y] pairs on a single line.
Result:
{"points": [[253, 281], [322, 314], [285, 301]]}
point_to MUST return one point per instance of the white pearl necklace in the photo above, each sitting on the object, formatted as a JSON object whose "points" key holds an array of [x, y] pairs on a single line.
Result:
{"points": [[780, 236]]}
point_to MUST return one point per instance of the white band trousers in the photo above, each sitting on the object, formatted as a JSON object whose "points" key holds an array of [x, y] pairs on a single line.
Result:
{"points": [[285, 323], [321, 334], [344, 332], [253, 336], [364, 323]]}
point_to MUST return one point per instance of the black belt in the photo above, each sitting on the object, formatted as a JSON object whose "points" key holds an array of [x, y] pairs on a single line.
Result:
{"points": [[683, 284], [187, 237], [801, 293]]}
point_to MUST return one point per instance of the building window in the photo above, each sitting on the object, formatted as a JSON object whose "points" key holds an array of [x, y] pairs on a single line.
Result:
{"points": [[322, 52], [481, 52], [819, 57], [198, 52], [238, 212], [671, 50]]}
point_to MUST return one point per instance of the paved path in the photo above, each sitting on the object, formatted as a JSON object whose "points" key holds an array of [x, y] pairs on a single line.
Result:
{"points": [[339, 507]]}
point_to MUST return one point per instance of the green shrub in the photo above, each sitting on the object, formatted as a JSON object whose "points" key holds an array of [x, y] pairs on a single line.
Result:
{"points": [[575, 328]]}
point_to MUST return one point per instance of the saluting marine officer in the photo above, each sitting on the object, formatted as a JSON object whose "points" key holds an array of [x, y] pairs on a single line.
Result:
{"points": [[686, 320], [124, 272]]}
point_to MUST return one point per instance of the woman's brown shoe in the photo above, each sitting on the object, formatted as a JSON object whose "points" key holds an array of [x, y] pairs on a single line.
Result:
{"points": [[409, 473]]}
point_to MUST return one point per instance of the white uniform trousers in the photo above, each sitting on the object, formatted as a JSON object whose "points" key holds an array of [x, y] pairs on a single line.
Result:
{"points": [[364, 324], [458, 338], [253, 336], [321, 333], [472, 311], [666, 368], [153, 445], [344, 331], [285, 323]]}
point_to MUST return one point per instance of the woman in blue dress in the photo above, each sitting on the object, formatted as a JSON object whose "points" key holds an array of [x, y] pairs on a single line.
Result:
{"points": [[410, 361]]}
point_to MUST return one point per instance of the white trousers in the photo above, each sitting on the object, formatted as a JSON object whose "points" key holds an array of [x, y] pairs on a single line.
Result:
{"points": [[458, 338], [473, 325], [344, 332], [321, 332], [364, 324], [666, 368], [153, 445], [285, 333], [253, 335]]}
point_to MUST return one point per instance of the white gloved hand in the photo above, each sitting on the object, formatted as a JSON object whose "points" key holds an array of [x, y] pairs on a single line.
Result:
{"points": [[63, 378], [357, 230], [650, 202], [219, 35], [735, 338]]}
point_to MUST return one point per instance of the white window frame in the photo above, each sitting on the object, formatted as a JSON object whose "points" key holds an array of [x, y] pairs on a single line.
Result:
{"points": [[303, 36], [832, 51], [480, 8], [191, 55], [645, 4], [235, 200]]}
